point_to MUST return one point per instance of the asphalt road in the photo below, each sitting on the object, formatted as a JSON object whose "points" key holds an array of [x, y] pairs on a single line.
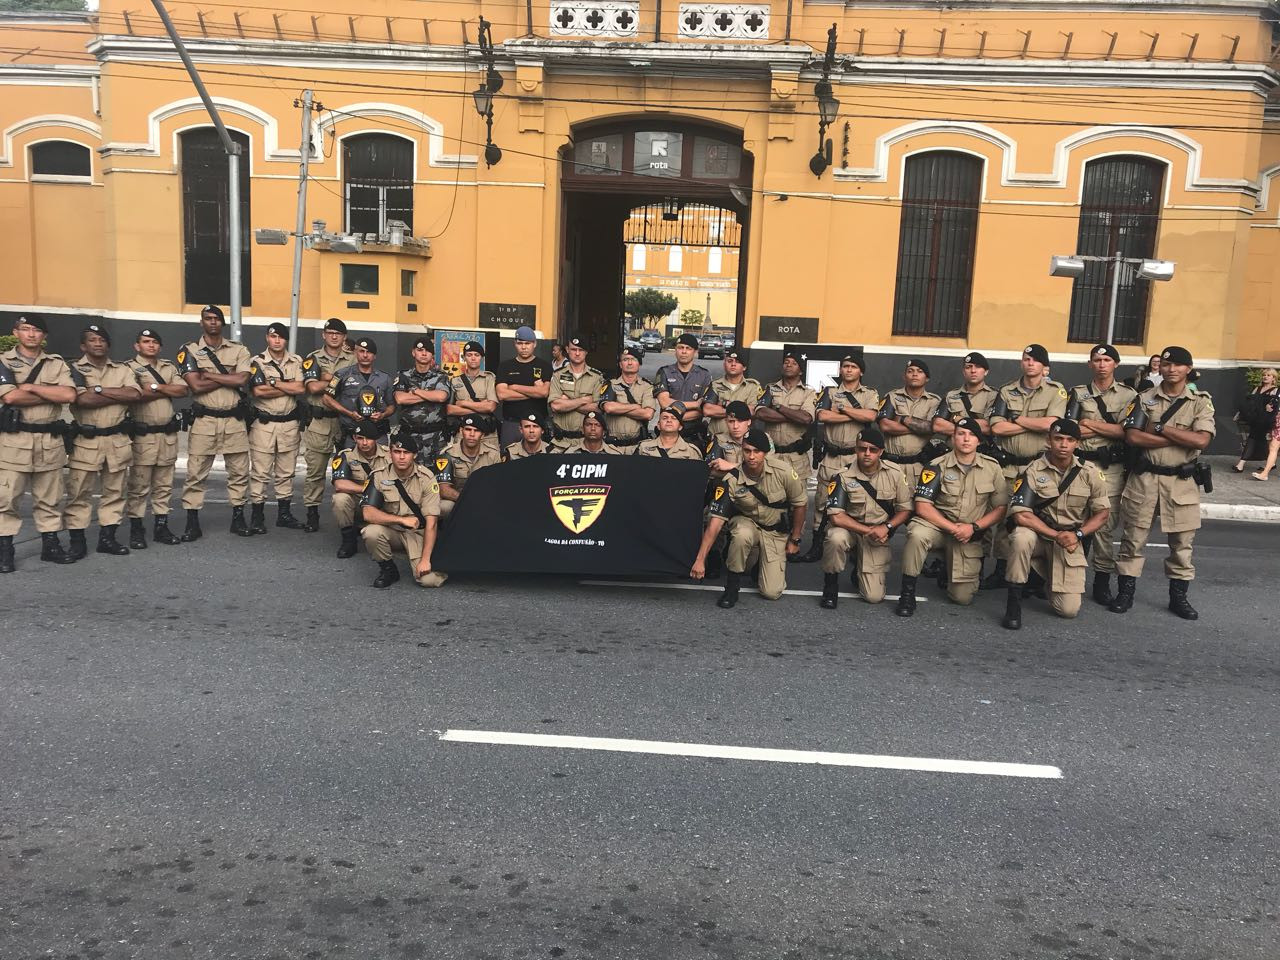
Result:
{"points": [[230, 750]]}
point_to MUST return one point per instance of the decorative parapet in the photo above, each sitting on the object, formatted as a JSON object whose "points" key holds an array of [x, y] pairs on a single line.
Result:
{"points": [[584, 18], [724, 21]]}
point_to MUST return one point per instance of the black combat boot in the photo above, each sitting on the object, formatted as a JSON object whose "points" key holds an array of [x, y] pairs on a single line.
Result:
{"points": [[285, 517], [830, 591], [714, 564], [313, 520], [1034, 587], [77, 549], [107, 542], [1126, 586], [387, 574], [732, 584], [996, 580], [1102, 589], [348, 546], [257, 519], [137, 534], [6, 555], [933, 569], [1013, 608], [193, 531], [1178, 600], [238, 526], [815, 546], [162, 533], [51, 550], [906, 597]]}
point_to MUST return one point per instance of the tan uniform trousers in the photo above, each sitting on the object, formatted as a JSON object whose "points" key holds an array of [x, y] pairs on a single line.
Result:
{"points": [[1176, 502], [747, 544], [446, 508], [46, 497], [274, 448], [1000, 540], [209, 437], [318, 442], [1104, 550], [151, 474], [100, 463], [1028, 550], [346, 509], [964, 560], [827, 470], [381, 540], [873, 561]]}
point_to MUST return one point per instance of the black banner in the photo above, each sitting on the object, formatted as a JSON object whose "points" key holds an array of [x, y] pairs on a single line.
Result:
{"points": [[618, 516]]}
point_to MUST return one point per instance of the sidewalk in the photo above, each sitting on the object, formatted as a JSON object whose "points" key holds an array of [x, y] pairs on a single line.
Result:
{"points": [[1237, 496]]}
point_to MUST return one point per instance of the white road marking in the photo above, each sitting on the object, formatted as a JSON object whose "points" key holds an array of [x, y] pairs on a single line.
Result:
{"points": [[715, 588], [677, 749]]}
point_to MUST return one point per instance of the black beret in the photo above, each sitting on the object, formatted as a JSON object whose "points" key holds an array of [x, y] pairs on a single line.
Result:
{"points": [[279, 329], [333, 323], [1107, 350], [920, 364], [1036, 352], [1064, 427], [594, 416], [579, 342], [472, 421], [405, 441], [148, 332], [738, 410], [629, 352], [758, 439], [676, 409], [736, 355], [1178, 355], [422, 343], [533, 418], [473, 346], [977, 359], [688, 340], [971, 424], [215, 310], [794, 353], [37, 322], [854, 359], [367, 344], [98, 329], [872, 436], [368, 430]]}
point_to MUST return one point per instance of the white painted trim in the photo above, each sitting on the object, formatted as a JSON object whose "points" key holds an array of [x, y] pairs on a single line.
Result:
{"points": [[902, 167], [955, 353], [436, 157], [1265, 179], [1057, 177], [55, 75], [272, 150], [10, 133]]}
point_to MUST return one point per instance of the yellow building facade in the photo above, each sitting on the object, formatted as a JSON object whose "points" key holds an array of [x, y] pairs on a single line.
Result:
{"points": [[971, 143]]}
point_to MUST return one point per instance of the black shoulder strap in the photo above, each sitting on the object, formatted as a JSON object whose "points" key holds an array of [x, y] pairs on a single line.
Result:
{"points": [[967, 402], [885, 505], [755, 492], [471, 391], [213, 358], [627, 390], [1063, 487], [277, 366], [410, 503], [662, 452], [35, 371], [1173, 408], [1106, 414], [155, 373]]}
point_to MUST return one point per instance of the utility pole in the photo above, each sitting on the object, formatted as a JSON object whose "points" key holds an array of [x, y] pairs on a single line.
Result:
{"points": [[304, 151], [1115, 295], [233, 159]]}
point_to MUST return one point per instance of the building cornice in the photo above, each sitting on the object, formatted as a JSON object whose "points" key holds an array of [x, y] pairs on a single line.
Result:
{"points": [[47, 76], [1249, 8]]}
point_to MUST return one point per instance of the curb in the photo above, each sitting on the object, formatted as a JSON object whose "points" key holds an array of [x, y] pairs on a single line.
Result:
{"points": [[1253, 513]]}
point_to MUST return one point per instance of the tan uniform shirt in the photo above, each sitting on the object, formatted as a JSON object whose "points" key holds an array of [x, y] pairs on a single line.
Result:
{"points": [[1042, 481], [681, 450], [980, 403], [778, 484], [618, 390], [799, 397], [462, 466], [1178, 498], [263, 369], [420, 485], [233, 356], [1196, 414], [516, 451], [1085, 403], [576, 446], [963, 495], [898, 404], [843, 434], [320, 366], [849, 496], [722, 393], [157, 412], [351, 464], [34, 452], [87, 376], [484, 384], [565, 383], [1049, 399]]}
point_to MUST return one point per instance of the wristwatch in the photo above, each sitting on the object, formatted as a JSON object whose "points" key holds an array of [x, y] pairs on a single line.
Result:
{"points": [[271, 382], [155, 387], [1079, 535], [796, 540], [1158, 429], [97, 388]]}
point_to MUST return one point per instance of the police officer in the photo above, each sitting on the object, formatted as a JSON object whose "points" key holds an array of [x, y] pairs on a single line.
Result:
{"points": [[523, 382], [1099, 407], [1024, 411], [960, 496], [844, 410], [595, 439], [320, 438], [155, 440], [734, 385], [906, 419], [360, 393], [102, 451], [725, 453], [531, 442], [685, 382], [455, 464], [401, 509], [475, 395], [216, 370], [669, 444], [1170, 425], [34, 386], [973, 398], [277, 389], [352, 469], [866, 502], [763, 503], [423, 394], [1057, 505], [628, 403], [575, 389]]}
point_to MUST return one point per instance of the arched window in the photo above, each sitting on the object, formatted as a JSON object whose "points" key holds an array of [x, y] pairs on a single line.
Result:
{"points": [[1119, 213], [939, 230], [378, 169], [206, 235], [60, 158]]}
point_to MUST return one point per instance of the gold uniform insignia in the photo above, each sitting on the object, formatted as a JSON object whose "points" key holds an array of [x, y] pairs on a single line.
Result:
{"points": [[578, 507], [537, 373], [441, 463], [308, 363], [719, 493], [182, 356], [1017, 484], [927, 475], [831, 488], [336, 463], [604, 388]]}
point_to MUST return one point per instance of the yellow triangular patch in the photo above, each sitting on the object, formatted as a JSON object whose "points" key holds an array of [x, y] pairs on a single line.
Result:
{"points": [[926, 475]]}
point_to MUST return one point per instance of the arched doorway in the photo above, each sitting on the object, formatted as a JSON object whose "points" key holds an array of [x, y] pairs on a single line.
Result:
{"points": [[612, 169]]}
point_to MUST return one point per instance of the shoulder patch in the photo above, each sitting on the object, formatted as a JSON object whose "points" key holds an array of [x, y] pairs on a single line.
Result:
{"points": [[308, 363], [604, 388], [442, 462], [1017, 484], [182, 355], [927, 475], [831, 488]]}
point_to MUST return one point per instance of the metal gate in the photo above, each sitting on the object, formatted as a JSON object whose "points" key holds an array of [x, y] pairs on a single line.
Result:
{"points": [[206, 240]]}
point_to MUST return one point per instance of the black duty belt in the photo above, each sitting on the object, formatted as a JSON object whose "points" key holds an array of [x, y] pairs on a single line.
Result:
{"points": [[568, 434], [1186, 471], [800, 446], [145, 429], [906, 457], [833, 451], [199, 410], [93, 433], [56, 428], [1107, 456], [322, 413], [1008, 459], [627, 441], [277, 417]]}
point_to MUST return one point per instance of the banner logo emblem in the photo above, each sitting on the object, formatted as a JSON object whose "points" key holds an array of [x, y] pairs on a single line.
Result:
{"points": [[578, 507]]}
